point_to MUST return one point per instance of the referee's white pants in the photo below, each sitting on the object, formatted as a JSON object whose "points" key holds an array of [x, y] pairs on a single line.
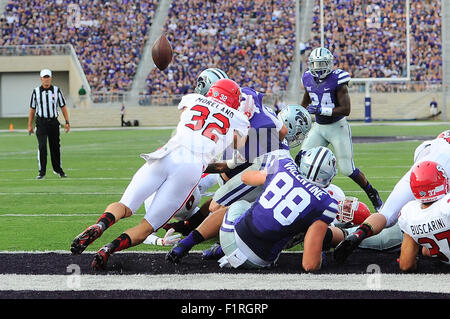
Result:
{"points": [[172, 178]]}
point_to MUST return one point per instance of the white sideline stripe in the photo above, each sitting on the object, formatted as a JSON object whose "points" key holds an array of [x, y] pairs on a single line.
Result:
{"points": [[404, 282]]}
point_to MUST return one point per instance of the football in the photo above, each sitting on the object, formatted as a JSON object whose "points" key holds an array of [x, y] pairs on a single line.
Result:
{"points": [[162, 52]]}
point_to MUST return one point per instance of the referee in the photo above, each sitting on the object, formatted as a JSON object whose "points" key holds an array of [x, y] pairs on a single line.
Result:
{"points": [[45, 101]]}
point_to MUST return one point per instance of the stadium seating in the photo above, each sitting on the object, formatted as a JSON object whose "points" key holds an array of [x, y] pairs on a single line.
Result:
{"points": [[108, 37], [369, 39], [252, 41]]}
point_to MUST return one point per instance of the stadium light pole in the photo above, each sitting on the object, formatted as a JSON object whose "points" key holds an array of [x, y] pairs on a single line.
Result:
{"points": [[322, 37], [445, 63]]}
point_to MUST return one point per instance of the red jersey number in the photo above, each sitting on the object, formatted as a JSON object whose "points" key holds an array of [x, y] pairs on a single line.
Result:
{"points": [[209, 130], [434, 250]]}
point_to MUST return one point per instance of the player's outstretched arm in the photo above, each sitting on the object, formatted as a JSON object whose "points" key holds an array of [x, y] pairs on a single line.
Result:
{"points": [[312, 249], [408, 254]]}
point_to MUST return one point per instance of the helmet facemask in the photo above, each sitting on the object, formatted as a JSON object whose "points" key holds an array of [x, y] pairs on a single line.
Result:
{"points": [[320, 63]]}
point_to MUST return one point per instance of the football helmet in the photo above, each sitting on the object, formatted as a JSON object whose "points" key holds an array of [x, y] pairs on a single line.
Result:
{"points": [[445, 135], [352, 210], [429, 181], [318, 166], [320, 62], [298, 122], [208, 77], [226, 91]]}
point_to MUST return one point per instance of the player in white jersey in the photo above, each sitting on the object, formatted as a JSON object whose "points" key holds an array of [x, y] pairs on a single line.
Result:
{"points": [[207, 126], [185, 215], [426, 220], [437, 150]]}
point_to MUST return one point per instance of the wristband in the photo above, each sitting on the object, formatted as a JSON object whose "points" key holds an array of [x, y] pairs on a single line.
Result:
{"points": [[326, 111], [67, 122]]}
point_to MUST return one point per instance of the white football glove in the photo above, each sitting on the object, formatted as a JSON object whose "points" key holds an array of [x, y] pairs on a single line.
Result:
{"points": [[247, 105], [168, 240]]}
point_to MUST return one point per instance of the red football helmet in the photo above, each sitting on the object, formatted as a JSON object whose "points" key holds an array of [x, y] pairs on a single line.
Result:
{"points": [[226, 91], [352, 210], [445, 135], [429, 182]]}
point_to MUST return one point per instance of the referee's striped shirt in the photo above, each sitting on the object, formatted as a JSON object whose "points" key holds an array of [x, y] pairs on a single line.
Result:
{"points": [[47, 101]]}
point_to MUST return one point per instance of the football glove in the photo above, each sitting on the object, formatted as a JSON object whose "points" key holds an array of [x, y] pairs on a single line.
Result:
{"points": [[247, 105], [168, 240], [318, 110], [313, 109]]}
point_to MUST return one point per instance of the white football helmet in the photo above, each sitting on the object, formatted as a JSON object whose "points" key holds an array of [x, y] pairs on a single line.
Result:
{"points": [[298, 122], [207, 78], [320, 62], [318, 166]]}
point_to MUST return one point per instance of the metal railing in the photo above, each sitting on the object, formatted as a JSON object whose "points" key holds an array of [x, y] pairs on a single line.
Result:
{"points": [[45, 49]]}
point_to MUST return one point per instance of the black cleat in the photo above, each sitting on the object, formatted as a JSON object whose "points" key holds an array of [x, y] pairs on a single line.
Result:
{"points": [[177, 253], [86, 238], [214, 252], [346, 247], [61, 174], [375, 199]]}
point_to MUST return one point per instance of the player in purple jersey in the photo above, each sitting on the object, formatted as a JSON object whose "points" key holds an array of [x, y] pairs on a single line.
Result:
{"points": [[253, 235], [326, 95], [265, 142]]}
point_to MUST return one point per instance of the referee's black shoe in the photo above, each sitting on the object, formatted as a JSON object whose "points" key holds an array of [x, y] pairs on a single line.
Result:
{"points": [[62, 174], [40, 176]]}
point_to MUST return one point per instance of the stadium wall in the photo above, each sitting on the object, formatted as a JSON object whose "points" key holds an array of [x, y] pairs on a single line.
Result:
{"points": [[385, 106], [20, 74]]}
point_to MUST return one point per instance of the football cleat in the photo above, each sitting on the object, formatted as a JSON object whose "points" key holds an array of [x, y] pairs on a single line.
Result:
{"points": [[346, 247], [101, 258], [86, 238], [375, 199], [297, 239], [177, 253], [214, 252]]}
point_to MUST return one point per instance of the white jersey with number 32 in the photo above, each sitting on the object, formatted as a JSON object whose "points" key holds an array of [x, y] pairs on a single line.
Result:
{"points": [[207, 126], [429, 227]]}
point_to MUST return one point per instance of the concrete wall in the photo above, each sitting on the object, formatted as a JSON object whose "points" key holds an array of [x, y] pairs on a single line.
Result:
{"points": [[66, 76]]}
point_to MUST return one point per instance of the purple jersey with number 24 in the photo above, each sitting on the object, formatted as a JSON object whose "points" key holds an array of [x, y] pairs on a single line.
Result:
{"points": [[323, 92]]}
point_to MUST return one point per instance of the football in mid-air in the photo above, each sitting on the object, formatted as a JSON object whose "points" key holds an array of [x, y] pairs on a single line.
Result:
{"points": [[162, 52]]}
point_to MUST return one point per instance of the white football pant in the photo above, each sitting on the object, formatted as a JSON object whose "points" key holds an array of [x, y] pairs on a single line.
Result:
{"points": [[172, 178]]}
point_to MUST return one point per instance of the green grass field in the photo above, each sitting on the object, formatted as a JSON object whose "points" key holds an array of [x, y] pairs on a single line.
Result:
{"points": [[47, 214]]}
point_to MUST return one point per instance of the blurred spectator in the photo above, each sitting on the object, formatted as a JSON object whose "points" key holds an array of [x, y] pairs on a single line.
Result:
{"points": [[433, 109], [108, 36], [370, 40], [252, 41]]}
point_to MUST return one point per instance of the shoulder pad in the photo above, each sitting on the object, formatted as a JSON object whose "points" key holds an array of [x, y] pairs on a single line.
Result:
{"points": [[444, 204], [188, 99], [341, 76]]}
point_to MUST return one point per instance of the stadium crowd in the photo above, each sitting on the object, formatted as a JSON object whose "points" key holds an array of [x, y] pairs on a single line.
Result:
{"points": [[369, 40], [108, 37], [252, 41]]}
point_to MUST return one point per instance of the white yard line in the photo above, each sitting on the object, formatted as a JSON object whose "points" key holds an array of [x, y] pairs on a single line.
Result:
{"points": [[216, 281]]}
